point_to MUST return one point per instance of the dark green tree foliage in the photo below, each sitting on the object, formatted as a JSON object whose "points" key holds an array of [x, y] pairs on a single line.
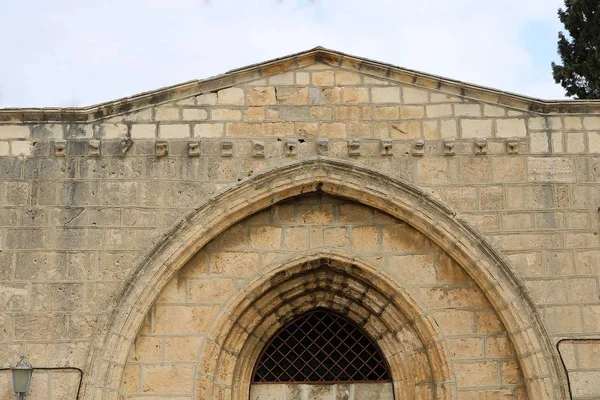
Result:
{"points": [[580, 72]]}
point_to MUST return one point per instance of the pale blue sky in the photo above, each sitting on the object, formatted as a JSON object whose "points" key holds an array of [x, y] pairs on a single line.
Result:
{"points": [[80, 52]]}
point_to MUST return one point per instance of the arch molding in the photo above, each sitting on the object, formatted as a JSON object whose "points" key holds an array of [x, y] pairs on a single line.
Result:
{"points": [[544, 376]]}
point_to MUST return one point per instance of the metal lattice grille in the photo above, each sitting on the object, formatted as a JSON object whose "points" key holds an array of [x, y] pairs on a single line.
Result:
{"points": [[320, 346]]}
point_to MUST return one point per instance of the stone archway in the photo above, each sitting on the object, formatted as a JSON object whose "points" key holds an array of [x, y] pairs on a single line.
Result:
{"points": [[543, 374], [410, 339]]}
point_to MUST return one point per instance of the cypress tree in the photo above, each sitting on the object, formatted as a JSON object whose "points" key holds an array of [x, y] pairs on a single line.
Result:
{"points": [[580, 52]]}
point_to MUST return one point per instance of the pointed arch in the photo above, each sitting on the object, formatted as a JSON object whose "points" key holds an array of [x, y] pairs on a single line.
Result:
{"points": [[408, 336], [543, 373]]}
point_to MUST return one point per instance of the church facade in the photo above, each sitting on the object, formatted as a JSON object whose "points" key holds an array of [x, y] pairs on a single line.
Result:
{"points": [[319, 226]]}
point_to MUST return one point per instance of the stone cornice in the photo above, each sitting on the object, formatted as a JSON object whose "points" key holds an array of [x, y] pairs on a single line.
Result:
{"points": [[290, 62]]}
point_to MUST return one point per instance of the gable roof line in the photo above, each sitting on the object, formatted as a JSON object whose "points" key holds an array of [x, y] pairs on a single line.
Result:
{"points": [[290, 62]]}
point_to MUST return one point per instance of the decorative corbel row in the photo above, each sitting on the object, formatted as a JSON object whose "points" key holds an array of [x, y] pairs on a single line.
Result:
{"points": [[291, 147]]}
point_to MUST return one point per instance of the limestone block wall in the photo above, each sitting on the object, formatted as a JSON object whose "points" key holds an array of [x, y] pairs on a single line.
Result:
{"points": [[84, 193], [173, 340]]}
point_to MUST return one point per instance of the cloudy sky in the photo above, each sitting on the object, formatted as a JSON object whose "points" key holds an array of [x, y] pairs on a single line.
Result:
{"points": [[81, 52]]}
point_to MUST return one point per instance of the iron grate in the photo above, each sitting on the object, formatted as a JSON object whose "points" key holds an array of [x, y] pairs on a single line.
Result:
{"points": [[320, 346]]}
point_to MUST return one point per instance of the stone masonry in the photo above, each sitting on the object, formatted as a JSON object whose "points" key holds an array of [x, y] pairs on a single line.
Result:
{"points": [[474, 214], [179, 320]]}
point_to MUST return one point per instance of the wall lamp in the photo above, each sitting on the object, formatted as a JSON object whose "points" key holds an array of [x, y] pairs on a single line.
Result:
{"points": [[21, 375]]}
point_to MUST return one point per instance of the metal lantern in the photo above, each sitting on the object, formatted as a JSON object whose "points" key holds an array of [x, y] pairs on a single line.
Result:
{"points": [[21, 374]]}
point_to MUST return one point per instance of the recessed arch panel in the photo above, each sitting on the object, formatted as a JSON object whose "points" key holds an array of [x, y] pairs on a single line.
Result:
{"points": [[411, 342]]}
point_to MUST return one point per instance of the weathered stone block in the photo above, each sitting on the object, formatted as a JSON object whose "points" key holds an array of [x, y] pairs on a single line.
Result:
{"points": [[261, 96], [332, 130], [302, 78], [292, 96], [179, 319], [207, 99], [343, 78], [355, 95], [493, 111], [511, 127], [575, 142], [225, 114], [461, 198], [385, 95], [472, 128], [359, 129], [467, 110], [48, 131], [265, 237], [572, 123], [432, 171], [285, 78], [550, 169], [347, 112], [386, 112], [406, 130], [215, 290], [529, 197], [167, 379], [15, 132], [477, 374], [306, 129], [439, 110], [235, 263], [448, 128], [110, 131], [508, 169], [323, 78], [208, 130], [563, 319], [167, 114], [194, 114], [414, 95], [234, 96], [325, 96], [475, 170], [410, 112], [293, 113], [44, 326], [4, 149]]}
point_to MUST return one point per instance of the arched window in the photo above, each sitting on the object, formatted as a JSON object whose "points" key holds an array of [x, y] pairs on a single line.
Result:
{"points": [[319, 347]]}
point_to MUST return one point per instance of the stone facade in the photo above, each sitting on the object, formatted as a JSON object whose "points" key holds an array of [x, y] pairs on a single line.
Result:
{"points": [[472, 331], [156, 242]]}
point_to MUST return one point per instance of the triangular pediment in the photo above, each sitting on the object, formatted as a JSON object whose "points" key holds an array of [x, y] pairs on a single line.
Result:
{"points": [[274, 72]]}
